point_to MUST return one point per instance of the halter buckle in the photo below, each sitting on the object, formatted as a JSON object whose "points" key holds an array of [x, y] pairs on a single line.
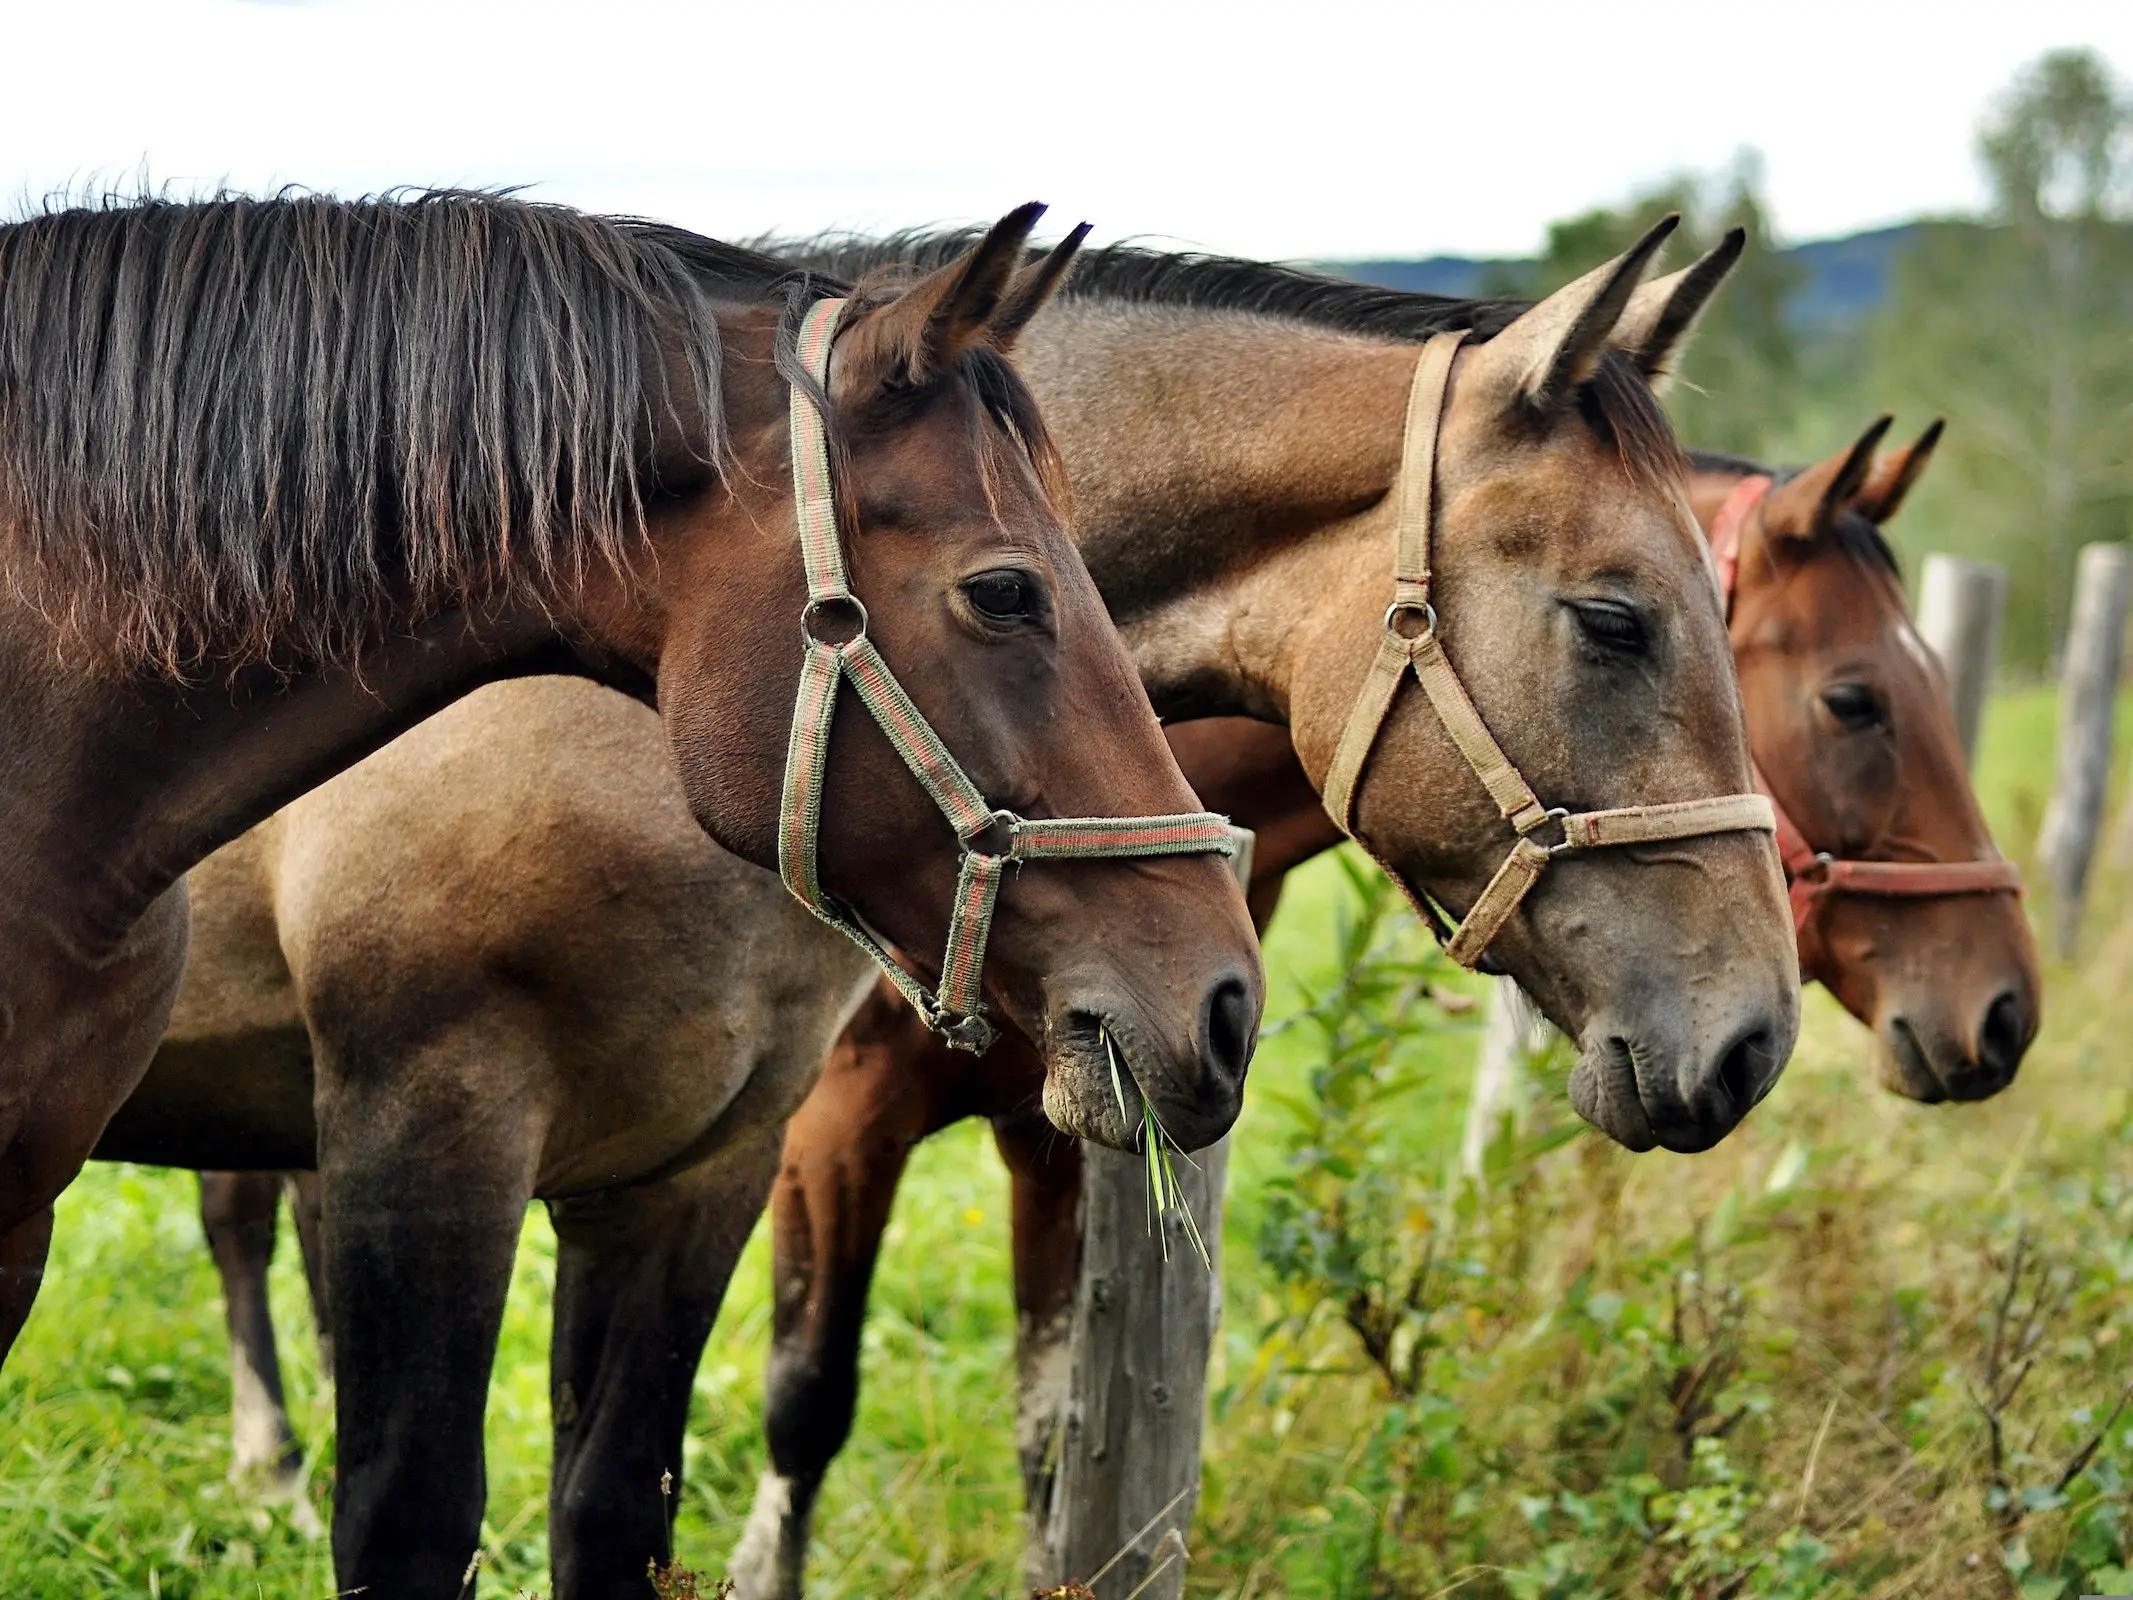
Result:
{"points": [[1429, 620], [813, 612], [972, 1033]]}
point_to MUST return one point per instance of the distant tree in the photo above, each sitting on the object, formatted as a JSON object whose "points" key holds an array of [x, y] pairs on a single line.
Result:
{"points": [[2021, 330], [1739, 386]]}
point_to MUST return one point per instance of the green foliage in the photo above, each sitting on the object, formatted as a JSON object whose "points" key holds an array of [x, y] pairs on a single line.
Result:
{"points": [[2016, 327]]}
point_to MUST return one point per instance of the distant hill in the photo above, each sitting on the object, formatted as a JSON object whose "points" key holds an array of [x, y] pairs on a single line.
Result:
{"points": [[1845, 278]]}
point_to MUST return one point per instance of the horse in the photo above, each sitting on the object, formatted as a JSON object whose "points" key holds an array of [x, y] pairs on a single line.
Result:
{"points": [[1851, 730], [280, 478], [552, 1000]]}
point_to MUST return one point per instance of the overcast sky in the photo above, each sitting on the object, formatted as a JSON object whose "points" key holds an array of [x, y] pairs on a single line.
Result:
{"points": [[1309, 128]]}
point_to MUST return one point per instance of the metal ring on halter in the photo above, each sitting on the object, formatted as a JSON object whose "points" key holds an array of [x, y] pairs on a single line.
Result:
{"points": [[1429, 620], [814, 609], [1559, 815], [999, 819]]}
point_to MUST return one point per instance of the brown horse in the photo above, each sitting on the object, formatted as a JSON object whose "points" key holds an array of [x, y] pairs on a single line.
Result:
{"points": [[1234, 460], [1848, 718], [279, 479]]}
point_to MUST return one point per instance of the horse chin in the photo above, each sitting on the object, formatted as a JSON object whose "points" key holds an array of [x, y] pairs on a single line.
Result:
{"points": [[1603, 1090], [1082, 1095]]}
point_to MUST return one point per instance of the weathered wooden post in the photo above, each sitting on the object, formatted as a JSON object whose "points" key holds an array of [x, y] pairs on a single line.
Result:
{"points": [[1512, 1034], [1128, 1475], [1960, 604], [2088, 689]]}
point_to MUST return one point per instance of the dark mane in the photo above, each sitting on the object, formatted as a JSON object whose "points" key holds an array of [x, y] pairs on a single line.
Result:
{"points": [[1617, 402], [243, 430], [1858, 537]]}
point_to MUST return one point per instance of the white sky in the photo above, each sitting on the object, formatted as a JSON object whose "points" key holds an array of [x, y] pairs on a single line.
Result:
{"points": [[1305, 128]]}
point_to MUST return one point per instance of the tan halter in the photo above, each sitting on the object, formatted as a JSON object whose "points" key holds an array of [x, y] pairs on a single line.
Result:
{"points": [[1420, 651]]}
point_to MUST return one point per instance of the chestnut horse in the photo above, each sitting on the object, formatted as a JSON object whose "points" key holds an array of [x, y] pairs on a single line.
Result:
{"points": [[1849, 722], [1234, 465], [279, 479]]}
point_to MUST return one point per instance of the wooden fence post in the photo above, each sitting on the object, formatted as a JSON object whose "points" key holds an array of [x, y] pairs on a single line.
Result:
{"points": [[1512, 1034], [1960, 604], [2088, 689], [1126, 1480], [1128, 1476]]}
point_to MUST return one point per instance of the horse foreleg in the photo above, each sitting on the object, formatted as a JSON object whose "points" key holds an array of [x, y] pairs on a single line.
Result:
{"points": [[640, 1274], [304, 1205], [1044, 1171], [425, 1176], [845, 1153], [238, 1212]]}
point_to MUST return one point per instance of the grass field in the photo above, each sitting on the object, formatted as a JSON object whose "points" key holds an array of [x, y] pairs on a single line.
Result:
{"points": [[1861, 1277]]}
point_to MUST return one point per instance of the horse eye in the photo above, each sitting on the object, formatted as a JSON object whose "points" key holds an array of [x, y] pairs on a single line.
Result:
{"points": [[1611, 626], [1853, 704], [1003, 595]]}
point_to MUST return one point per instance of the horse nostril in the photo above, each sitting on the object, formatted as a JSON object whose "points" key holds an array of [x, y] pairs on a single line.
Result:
{"points": [[2003, 1036], [1740, 1071], [1226, 1035]]}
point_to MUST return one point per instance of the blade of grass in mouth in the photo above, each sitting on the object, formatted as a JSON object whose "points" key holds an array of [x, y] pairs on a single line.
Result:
{"points": [[1164, 1194]]}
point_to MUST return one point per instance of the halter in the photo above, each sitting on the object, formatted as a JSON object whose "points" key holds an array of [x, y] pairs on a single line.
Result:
{"points": [[1813, 876], [1399, 651], [956, 1012]]}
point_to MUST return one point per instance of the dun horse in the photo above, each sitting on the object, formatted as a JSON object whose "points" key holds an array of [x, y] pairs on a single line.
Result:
{"points": [[279, 479], [1245, 532]]}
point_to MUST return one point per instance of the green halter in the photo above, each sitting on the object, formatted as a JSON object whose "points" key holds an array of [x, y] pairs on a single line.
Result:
{"points": [[956, 1012]]}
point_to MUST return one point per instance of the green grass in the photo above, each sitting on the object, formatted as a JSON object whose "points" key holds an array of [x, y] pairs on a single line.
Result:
{"points": [[113, 1448]]}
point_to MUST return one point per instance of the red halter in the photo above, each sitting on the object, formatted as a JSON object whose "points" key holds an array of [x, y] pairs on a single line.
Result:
{"points": [[1812, 875]]}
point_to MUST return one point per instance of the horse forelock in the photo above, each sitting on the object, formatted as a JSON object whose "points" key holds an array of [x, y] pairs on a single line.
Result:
{"points": [[241, 430]]}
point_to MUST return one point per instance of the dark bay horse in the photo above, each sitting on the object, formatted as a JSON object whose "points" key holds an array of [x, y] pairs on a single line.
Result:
{"points": [[1848, 718], [279, 479], [1233, 465]]}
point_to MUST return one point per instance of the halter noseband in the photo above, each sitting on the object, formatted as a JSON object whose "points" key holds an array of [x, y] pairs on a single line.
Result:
{"points": [[1421, 651], [956, 1012], [1813, 876]]}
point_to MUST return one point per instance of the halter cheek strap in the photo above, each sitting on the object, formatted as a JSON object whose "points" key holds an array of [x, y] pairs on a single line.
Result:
{"points": [[1408, 643], [955, 1011], [1814, 876]]}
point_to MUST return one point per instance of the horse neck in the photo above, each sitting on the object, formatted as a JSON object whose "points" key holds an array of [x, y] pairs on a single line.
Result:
{"points": [[128, 781], [1207, 450]]}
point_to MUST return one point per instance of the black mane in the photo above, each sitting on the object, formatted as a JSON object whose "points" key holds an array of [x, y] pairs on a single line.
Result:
{"points": [[1616, 401], [242, 429]]}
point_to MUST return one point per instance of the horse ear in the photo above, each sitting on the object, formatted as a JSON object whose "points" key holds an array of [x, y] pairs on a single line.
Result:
{"points": [[1894, 474], [1536, 364], [1033, 288], [918, 337], [1806, 507], [1661, 316]]}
